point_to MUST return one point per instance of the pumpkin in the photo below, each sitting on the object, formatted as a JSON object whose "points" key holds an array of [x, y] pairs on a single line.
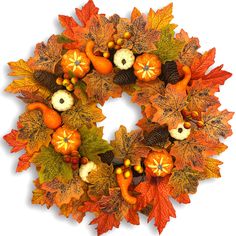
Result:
{"points": [[66, 141], [62, 100], [76, 62], [180, 132], [124, 59], [159, 163], [147, 67]]}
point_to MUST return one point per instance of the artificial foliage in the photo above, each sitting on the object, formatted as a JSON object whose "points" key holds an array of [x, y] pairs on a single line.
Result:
{"points": [[139, 172]]}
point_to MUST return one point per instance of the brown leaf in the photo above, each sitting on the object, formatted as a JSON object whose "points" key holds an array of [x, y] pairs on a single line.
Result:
{"points": [[101, 87], [129, 145], [47, 56]]}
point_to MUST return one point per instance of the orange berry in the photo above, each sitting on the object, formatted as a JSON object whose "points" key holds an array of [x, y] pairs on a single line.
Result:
{"points": [[137, 168], [74, 80], [119, 171], [200, 124], [66, 76], [185, 112], [66, 82], [141, 170], [75, 153], [106, 54], [111, 44], [127, 162], [117, 47], [74, 160], [127, 174], [84, 160], [120, 41], [59, 81], [67, 159], [187, 125], [70, 87], [194, 114], [127, 35]]}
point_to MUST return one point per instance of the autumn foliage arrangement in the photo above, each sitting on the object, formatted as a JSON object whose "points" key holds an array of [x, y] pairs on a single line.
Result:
{"points": [[96, 58]]}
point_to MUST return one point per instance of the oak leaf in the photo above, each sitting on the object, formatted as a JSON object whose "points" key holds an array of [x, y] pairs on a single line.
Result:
{"points": [[65, 192], [201, 64], [184, 181], [201, 95], [92, 143], [51, 165], [168, 47], [216, 123], [129, 145], [88, 10], [101, 87], [101, 180], [34, 131], [189, 51], [82, 114], [46, 57], [26, 83], [169, 107], [156, 192], [161, 18], [142, 40]]}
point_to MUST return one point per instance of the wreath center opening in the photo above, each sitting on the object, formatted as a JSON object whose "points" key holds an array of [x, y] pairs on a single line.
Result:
{"points": [[119, 111]]}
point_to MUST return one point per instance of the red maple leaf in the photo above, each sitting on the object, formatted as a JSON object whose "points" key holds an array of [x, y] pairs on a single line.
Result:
{"points": [[156, 192]]}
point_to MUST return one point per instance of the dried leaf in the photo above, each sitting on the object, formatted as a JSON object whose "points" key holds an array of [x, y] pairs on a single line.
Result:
{"points": [[201, 64], [20, 69], [161, 18], [47, 56], [92, 143], [169, 107], [34, 131], [88, 10], [101, 180], [51, 165], [101, 87], [216, 123], [65, 192], [135, 14], [168, 47], [31, 97], [184, 181], [156, 192], [82, 114], [129, 145], [23, 163]]}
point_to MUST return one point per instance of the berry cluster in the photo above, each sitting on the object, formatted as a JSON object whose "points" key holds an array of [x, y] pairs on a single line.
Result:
{"points": [[75, 159]]}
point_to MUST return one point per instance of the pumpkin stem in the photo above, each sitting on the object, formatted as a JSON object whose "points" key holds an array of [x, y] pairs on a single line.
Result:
{"points": [[50, 117]]}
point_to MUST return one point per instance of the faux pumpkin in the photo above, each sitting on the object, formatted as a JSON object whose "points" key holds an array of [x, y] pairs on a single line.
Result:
{"points": [[66, 141], [147, 67], [76, 62], [124, 59], [159, 163], [62, 100]]}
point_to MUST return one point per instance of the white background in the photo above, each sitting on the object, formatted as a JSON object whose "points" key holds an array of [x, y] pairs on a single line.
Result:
{"points": [[24, 23]]}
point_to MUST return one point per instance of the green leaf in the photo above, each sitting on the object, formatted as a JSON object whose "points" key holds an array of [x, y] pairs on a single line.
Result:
{"points": [[51, 166], [168, 48], [63, 39], [92, 143]]}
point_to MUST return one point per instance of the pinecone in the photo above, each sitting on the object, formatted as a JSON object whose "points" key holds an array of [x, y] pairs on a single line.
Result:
{"points": [[47, 80], [124, 77], [157, 137], [170, 73], [107, 157]]}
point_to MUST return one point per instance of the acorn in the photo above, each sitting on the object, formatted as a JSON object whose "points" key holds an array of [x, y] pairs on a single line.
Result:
{"points": [[107, 157], [124, 77], [157, 137], [170, 73]]}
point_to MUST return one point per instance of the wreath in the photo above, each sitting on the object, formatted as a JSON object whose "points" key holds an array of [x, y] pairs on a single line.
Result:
{"points": [[138, 171]]}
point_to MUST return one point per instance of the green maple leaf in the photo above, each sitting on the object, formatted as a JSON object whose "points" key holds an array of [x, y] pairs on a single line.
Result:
{"points": [[92, 143], [51, 165], [168, 48]]}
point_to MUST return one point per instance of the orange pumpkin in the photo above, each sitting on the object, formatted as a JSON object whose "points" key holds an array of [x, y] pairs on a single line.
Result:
{"points": [[66, 141], [76, 62], [147, 67], [159, 163]]}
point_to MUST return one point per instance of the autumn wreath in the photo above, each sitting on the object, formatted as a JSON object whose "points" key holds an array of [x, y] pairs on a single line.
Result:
{"points": [[139, 171]]}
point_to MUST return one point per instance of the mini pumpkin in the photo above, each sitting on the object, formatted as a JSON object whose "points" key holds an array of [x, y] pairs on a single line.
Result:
{"points": [[180, 132], [85, 170], [66, 141], [76, 62], [124, 59], [62, 100], [147, 67], [159, 163]]}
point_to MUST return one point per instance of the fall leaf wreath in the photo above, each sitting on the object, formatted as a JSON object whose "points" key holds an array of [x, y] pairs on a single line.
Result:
{"points": [[137, 172]]}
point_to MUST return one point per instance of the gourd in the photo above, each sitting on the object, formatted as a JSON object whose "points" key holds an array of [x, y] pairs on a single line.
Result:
{"points": [[159, 163], [147, 67], [50, 117], [66, 141], [76, 62], [101, 64]]}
